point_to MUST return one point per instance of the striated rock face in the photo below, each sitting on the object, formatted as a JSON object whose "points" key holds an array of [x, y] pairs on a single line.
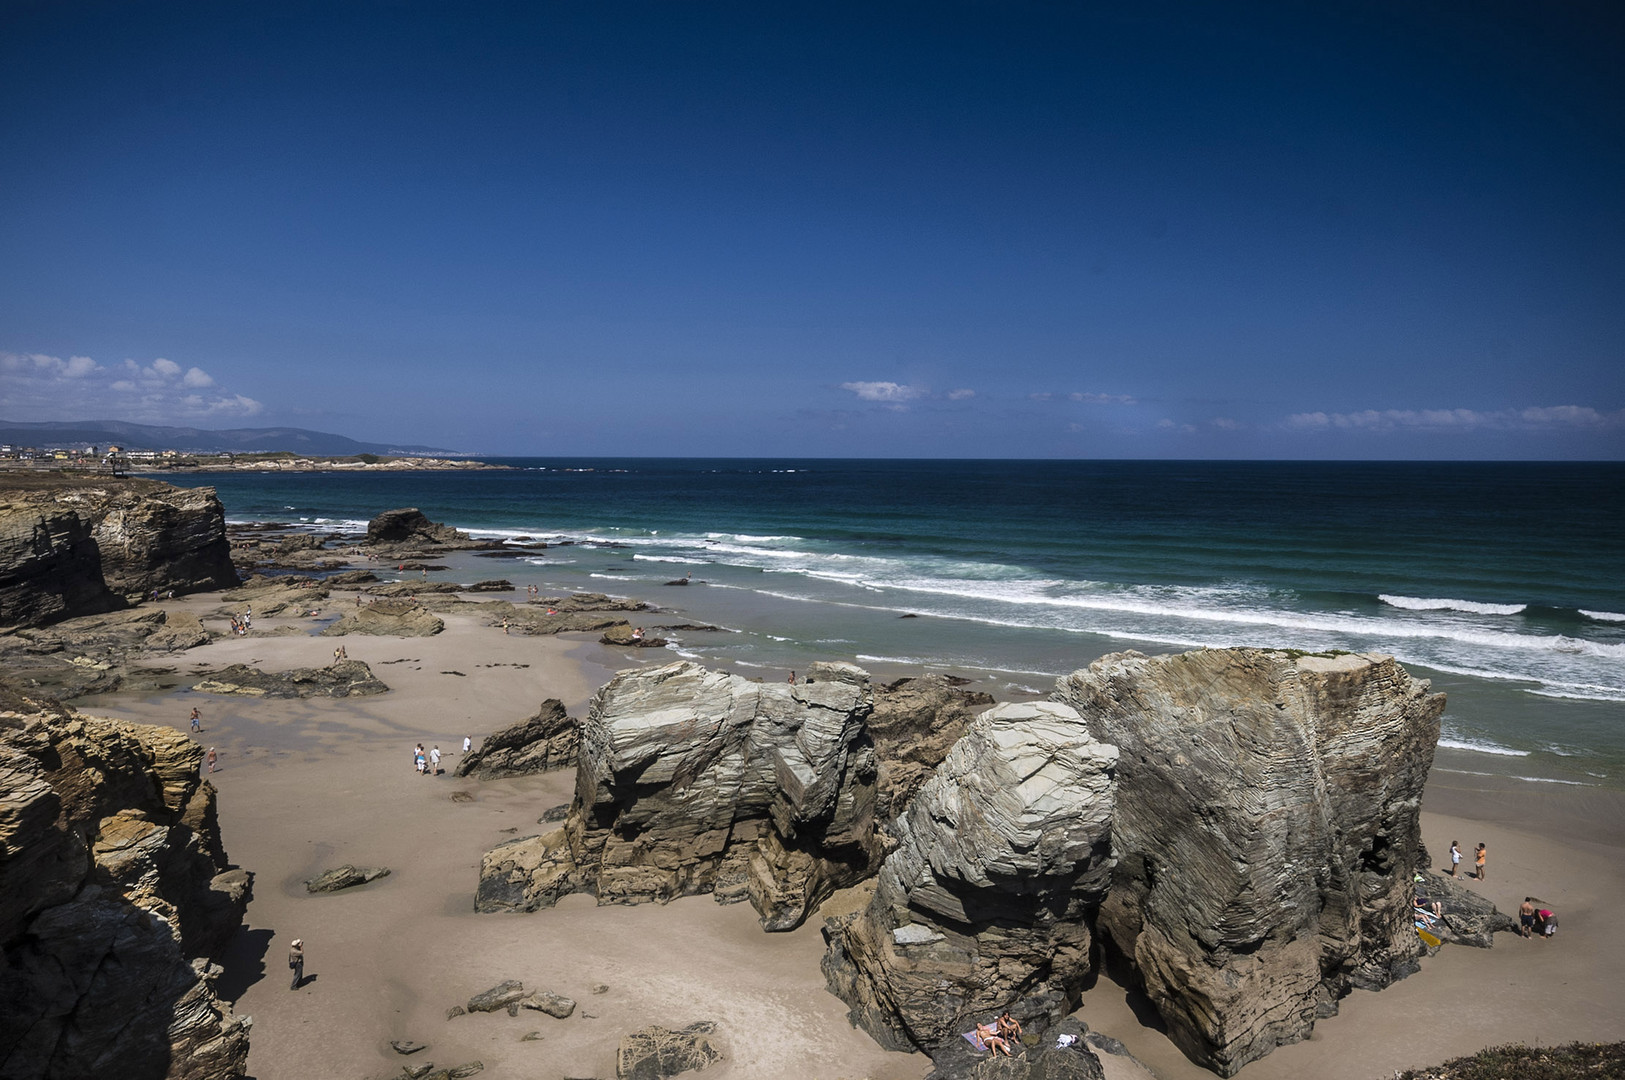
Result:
{"points": [[914, 724], [1266, 827], [72, 549], [410, 527], [114, 891], [548, 740], [1002, 859], [388, 618], [347, 678], [692, 781]]}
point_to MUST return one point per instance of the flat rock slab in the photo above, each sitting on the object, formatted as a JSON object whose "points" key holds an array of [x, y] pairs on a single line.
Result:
{"points": [[348, 678], [498, 997], [345, 877], [555, 1005], [656, 1052]]}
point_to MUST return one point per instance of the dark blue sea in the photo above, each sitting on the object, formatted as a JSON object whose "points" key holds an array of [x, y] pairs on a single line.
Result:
{"points": [[1502, 582]]}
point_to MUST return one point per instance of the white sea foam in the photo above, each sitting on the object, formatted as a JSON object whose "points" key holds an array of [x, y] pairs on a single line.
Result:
{"points": [[614, 577], [1603, 616], [1425, 603], [1514, 776], [1480, 746]]}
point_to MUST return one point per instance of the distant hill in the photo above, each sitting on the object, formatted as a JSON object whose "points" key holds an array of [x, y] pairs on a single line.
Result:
{"points": [[70, 433]]}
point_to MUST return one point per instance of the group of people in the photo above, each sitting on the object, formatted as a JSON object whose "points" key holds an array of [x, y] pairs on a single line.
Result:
{"points": [[997, 1035], [1534, 920], [427, 765], [1481, 856]]}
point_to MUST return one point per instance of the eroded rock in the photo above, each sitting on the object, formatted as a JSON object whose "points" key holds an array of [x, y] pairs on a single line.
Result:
{"points": [[548, 740], [347, 678], [344, 877], [657, 1052], [387, 618]]}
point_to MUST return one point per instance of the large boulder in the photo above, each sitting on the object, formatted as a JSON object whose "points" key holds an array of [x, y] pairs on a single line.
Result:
{"points": [[388, 618], [1266, 828], [114, 891], [548, 740], [693, 781], [168, 540], [50, 567], [914, 724], [347, 678], [410, 526], [1002, 860], [654, 1053]]}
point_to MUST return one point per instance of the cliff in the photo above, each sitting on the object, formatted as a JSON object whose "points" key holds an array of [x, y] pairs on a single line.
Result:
{"points": [[114, 892], [71, 548], [1266, 827]]}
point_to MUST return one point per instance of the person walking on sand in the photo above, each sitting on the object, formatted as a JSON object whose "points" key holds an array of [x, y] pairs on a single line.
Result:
{"points": [[1455, 856], [212, 759], [434, 760], [1479, 856], [296, 962], [197, 719]]}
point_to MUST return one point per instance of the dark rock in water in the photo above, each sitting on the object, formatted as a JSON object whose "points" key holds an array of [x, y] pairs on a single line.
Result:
{"points": [[1469, 919], [1044, 1060], [492, 585], [114, 893], [347, 678], [589, 601], [656, 1052], [350, 577], [411, 526], [554, 1005], [687, 627], [406, 1047], [345, 877], [692, 781], [1001, 861], [546, 741], [1266, 830], [681, 581], [910, 615], [624, 635], [498, 997]]}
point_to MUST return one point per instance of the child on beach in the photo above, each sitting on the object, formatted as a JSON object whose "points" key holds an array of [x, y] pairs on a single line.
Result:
{"points": [[1479, 857]]}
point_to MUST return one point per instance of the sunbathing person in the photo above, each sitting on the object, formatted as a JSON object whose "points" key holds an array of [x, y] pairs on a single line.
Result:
{"points": [[992, 1040], [1008, 1026]]}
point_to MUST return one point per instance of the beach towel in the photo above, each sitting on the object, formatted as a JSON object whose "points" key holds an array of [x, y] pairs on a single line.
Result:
{"points": [[976, 1041], [1430, 940]]}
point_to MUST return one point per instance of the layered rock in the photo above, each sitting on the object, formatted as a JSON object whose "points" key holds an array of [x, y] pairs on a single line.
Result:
{"points": [[1002, 859], [692, 781], [347, 678], [70, 548], [114, 891], [92, 653], [1265, 831], [388, 618], [410, 527], [548, 740], [914, 724]]}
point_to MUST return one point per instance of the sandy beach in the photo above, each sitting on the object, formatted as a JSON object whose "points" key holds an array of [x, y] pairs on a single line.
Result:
{"points": [[308, 785]]}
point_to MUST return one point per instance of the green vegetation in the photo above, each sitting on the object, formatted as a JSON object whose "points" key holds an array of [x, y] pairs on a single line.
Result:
{"points": [[1576, 1061]]}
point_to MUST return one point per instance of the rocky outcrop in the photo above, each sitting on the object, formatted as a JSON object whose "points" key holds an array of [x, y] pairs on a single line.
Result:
{"points": [[114, 891], [344, 877], [548, 740], [92, 654], [1047, 1060], [71, 548], [1468, 918], [624, 635], [388, 618], [347, 678], [409, 527], [914, 724], [1265, 831], [656, 1052], [1002, 859], [692, 781]]}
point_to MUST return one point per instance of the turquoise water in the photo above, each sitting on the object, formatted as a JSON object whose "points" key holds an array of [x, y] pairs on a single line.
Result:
{"points": [[1503, 582]]}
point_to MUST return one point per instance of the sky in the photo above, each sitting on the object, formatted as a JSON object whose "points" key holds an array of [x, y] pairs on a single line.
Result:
{"points": [[1158, 230]]}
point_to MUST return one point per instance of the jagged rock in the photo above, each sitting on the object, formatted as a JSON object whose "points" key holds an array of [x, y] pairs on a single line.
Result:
{"points": [[958, 1060], [344, 877], [588, 601], [50, 566], [113, 893], [914, 723], [657, 1052], [414, 588], [92, 653], [532, 1036], [554, 1005], [417, 1072], [492, 585], [350, 578], [1002, 859], [296, 542], [347, 678], [169, 539], [456, 1073], [387, 618], [456, 1011], [692, 781], [546, 741], [181, 630], [410, 526], [623, 634], [1266, 829], [1469, 919], [270, 597], [498, 997]]}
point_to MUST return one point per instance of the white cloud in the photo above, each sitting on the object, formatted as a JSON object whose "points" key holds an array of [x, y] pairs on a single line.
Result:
{"points": [[1102, 399], [1224, 423], [883, 391], [960, 395], [42, 387], [1531, 419]]}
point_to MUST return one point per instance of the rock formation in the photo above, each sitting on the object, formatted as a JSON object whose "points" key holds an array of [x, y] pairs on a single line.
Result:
{"points": [[914, 724], [654, 1053], [692, 781], [1001, 860], [114, 892], [548, 740], [91, 654], [388, 618], [344, 877], [411, 528], [1048, 1060], [70, 548], [1265, 832], [347, 678]]}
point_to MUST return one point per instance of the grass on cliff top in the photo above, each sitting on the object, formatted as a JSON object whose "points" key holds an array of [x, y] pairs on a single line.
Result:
{"points": [[1576, 1061]]}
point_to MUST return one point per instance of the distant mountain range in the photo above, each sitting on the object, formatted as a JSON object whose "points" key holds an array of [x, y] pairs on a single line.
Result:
{"points": [[102, 433]]}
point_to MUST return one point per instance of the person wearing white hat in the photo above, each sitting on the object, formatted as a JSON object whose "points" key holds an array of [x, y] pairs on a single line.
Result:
{"points": [[296, 961]]}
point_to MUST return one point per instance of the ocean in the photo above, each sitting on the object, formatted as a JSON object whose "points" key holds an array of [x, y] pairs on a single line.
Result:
{"points": [[1504, 583]]}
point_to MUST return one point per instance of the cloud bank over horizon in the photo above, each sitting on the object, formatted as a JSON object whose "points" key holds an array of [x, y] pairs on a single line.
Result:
{"points": [[38, 387]]}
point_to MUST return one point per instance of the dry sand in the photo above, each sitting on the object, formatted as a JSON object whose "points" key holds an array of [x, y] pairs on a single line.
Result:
{"points": [[307, 785]]}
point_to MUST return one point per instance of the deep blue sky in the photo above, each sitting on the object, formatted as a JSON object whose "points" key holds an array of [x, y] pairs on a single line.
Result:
{"points": [[942, 229]]}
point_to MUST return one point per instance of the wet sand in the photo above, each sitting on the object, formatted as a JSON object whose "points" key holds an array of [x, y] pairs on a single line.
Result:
{"points": [[308, 785]]}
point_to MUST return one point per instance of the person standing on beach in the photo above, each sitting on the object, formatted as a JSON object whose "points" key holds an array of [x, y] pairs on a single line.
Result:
{"points": [[1455, 856], [1526, 917], [467, 743], [197, 719], [1479, 857], [434, 760], [212, 759], [296, 962]]}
